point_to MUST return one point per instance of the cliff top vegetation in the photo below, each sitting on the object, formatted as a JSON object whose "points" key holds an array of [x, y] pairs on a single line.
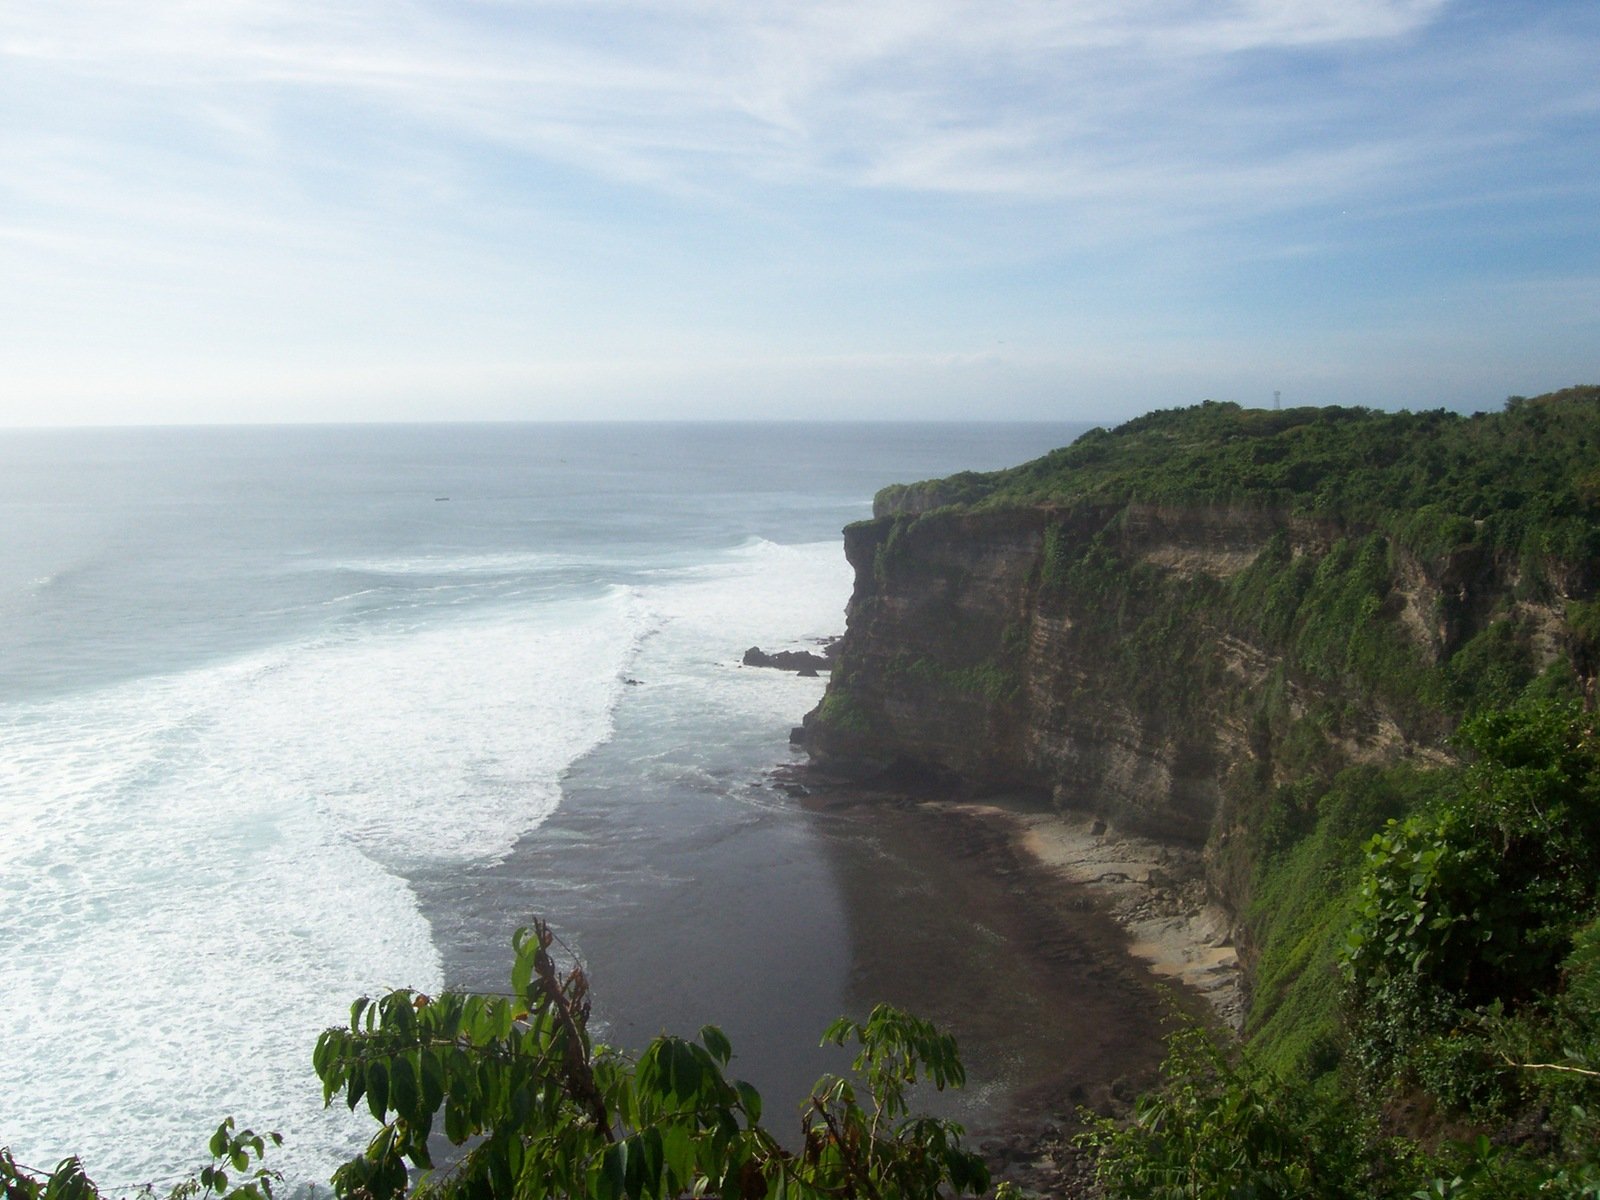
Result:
{"points": [[1488, 478]]}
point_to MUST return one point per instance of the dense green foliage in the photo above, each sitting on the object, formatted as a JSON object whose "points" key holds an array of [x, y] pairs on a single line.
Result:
{"points": [[1466, 1005], [1306, 885], [1523, 477], [1223, 1130], [536, 1110], [1217, 1130], [1476, 902], [240, 1151]]}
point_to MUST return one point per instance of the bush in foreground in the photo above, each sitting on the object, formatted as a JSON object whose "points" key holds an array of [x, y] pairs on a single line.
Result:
{"points": [[543, 1111]]}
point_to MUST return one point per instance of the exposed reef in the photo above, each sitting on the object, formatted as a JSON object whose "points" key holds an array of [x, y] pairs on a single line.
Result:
{"points": [[802, 662]]}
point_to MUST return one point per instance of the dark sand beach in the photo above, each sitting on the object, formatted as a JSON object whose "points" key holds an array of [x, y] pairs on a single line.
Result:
{"points": [[770, 909], [952, 918], [971, 914]]}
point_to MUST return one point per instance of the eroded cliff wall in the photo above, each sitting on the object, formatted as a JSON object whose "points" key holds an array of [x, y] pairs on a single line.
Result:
{"points": [[1154, 663]]}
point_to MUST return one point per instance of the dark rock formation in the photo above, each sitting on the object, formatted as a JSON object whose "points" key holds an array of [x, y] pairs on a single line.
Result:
{"points": [[803, 662]]}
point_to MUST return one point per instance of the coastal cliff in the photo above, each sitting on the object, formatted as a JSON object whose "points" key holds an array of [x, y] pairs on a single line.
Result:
{"points": [[1189, 626], [969, 653]]}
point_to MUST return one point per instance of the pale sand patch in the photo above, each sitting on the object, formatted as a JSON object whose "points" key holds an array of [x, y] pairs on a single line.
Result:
{"points": [[1153, 890]]}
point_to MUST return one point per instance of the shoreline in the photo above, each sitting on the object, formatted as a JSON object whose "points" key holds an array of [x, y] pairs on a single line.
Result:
{"points": [[1071, 950], [1155, 891]]}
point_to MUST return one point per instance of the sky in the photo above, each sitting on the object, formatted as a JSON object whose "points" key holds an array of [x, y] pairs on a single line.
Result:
{"points": [[416, 210]]}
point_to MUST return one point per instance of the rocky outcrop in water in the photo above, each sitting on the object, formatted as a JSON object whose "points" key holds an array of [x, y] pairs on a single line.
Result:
{"points": [[803, 662]]}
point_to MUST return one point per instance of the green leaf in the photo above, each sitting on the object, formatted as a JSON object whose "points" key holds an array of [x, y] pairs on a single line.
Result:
{"points": [[522, 969], [717, 1043], [678, 1156], [751, 1100], [377, 1090], [644, 1164], [357, 1087], [433, 1085], [403, 1090], [836, 1033], [614, 1171]]}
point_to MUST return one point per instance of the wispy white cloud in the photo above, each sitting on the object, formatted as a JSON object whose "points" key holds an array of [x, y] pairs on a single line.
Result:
{"points": [[421, 177], [852, 93], [1036, 102]]}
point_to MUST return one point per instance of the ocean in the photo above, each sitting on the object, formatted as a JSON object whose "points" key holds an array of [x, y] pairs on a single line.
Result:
{"points": [[291, 715]]}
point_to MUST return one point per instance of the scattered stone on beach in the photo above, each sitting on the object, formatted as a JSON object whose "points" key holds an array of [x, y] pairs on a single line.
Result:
{"points": [[1157, 893]]}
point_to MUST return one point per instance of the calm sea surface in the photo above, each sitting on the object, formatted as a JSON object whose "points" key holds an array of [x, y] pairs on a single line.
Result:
{"points": [[291, 715]]}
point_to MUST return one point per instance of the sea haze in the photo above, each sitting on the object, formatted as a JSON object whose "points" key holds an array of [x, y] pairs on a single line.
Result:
{"points": [[288, 715]]}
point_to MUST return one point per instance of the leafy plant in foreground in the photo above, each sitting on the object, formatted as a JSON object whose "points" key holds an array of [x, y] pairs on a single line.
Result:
{"points": [[546, 1112], [238, 1150], [543, 1111]]}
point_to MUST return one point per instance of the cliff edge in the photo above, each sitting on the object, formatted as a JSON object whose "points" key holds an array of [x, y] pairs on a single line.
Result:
{"points": [[1189, 624]]}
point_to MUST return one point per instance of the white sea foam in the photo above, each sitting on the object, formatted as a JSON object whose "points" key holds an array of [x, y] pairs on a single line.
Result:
{"points": [[455, 565], [775, 596], [202, 870]]}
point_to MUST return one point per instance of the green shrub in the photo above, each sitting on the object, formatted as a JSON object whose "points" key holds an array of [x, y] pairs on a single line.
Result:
{"points": [[1304, 900], [1218, 1131], [1478, 901]]}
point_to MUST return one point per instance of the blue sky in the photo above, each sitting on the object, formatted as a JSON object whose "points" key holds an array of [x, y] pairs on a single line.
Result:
{"points": [[265, 210]]}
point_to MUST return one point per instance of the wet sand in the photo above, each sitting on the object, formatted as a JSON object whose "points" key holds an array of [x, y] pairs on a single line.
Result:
{"points": [[956, 917], [770, 907], [1059, 953]]}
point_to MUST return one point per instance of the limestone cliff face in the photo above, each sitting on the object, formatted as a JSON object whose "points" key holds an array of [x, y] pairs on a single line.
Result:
{"points": [[932, 628], [989, 647]]}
